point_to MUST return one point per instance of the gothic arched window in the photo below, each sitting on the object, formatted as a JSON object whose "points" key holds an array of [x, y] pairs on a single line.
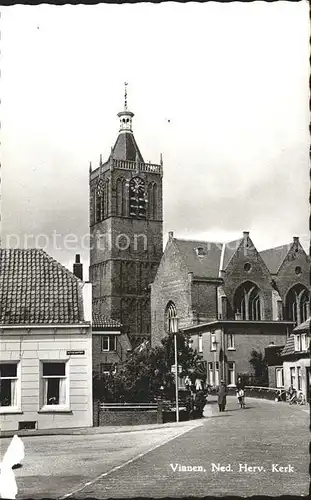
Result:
{"points": [[106, 199], [170, 313], [297, 304], [99, 201], [150, 200], [154, 200], [121, 196], [247, 302], [137, 197]]}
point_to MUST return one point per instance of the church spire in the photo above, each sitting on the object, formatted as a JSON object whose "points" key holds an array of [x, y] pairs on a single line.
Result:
{"points": [[126, 115]]}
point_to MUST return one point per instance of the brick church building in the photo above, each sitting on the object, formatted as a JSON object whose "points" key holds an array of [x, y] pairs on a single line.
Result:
{"points": [[126, 232], [230, 298]]}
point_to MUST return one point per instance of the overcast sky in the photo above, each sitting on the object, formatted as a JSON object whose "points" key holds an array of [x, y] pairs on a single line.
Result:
{"points": [[231, 78]]}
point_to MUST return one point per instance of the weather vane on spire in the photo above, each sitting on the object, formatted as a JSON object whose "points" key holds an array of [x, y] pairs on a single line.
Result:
{"points": [[125, 96]]}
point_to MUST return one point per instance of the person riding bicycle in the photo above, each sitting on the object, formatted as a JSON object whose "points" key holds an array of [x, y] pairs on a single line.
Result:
{"points": [[240, 392]]}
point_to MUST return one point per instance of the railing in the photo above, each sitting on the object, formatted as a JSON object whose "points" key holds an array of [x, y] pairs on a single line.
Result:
{"points": [[133, 165], [128, 406], [254, 391]]}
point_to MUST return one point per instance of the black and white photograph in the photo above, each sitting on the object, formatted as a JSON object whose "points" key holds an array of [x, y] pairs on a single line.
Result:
{"points": [[154, 250]]}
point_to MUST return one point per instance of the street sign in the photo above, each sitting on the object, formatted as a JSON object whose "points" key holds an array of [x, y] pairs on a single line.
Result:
{"points": [[74, 353]]}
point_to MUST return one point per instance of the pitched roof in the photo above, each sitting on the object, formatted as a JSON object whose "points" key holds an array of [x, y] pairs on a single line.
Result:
{"points": [[229, 250], [290, 344], [36, 289], [202, 266], [303, 327], [289, 347], [274, 257], [126, 148], [102, 321]]}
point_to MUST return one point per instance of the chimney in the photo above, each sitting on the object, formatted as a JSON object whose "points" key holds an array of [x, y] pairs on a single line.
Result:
{"points": [[296, 239], [171, 235], [245, 234], [78, 268]]}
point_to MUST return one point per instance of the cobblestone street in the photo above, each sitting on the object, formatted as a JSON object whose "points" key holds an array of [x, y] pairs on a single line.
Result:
{"points": [[265, 435]]}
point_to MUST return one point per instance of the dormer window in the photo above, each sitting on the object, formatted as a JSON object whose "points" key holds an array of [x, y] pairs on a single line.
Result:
{"points": [[200, 251], [301, 342]]}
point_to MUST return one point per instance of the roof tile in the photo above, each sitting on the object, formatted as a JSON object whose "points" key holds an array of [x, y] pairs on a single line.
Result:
{"points": [[102, 321], [36, 289]]}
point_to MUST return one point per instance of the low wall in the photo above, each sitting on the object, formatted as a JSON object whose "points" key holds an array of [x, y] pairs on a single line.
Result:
{"points": [[105, 416], [128, 417]]}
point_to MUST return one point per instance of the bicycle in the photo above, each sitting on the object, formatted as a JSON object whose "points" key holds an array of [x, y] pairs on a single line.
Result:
{"points": [[241, 398], [298, 399]]}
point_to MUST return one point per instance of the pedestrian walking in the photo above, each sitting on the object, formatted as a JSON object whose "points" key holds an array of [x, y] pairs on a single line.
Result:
{"points": [[222, 396]]}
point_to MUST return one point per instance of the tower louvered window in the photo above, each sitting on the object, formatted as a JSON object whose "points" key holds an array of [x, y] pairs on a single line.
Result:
{"points": [[121, 196], [137, 198], [99, 201]]}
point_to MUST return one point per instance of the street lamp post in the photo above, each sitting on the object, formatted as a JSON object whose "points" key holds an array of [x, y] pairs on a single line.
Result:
{"points": [[174, 326]]}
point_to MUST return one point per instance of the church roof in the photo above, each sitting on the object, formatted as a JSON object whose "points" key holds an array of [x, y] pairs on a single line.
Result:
{"points": [[274, 257], [205, 265], [229, 250], [36, 289], [126, 148]]}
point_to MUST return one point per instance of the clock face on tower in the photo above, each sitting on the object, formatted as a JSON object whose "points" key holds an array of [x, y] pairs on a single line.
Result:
{"points": [[137, 197]]}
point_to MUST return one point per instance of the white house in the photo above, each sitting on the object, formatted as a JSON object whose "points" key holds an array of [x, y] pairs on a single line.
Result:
{"points": [[296, 359], [45, 343]]}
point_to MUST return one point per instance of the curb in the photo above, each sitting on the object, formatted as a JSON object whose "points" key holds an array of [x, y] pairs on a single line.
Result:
{"points": [[87, 431]]}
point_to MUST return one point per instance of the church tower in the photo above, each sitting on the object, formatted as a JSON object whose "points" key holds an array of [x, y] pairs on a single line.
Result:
{"points": [[126, 230]]}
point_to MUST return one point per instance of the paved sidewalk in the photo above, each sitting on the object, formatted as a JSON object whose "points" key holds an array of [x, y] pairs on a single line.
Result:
{"points": [[109, 429], [112, 429]]}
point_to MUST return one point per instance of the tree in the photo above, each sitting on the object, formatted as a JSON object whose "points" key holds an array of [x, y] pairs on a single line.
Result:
{"points": [[146, 374], [260, 368]]}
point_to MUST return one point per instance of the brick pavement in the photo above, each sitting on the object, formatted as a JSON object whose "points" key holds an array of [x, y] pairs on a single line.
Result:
{"points": [[263, 434]]}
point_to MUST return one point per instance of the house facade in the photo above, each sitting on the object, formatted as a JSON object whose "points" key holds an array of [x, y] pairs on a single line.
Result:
{"points": [[230, 298], [296, 360], [110, 344], [45, 343]]}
